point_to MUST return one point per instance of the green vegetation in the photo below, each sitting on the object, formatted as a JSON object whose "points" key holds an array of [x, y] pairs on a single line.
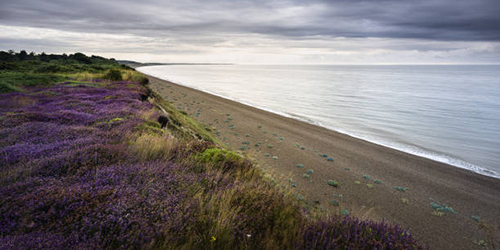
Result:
{"points": [[21, 70], [333, 183], [116, 166]]}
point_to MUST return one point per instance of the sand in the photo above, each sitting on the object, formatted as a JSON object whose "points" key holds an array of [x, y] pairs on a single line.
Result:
{"points": [[295, 142]]}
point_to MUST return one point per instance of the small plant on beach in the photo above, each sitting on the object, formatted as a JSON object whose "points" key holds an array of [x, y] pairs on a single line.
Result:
{"points": [[370, 186], [270, 146], [245, 142], [323, 155], [282, 138], [405, 201], [247, 135], [438, 206], [357, 182], [476, 218], [334, 203], [310, 171], [344, 212], [300, 165], [275, 157], [402, 189], [437, 213], [366, 177], [377, 181], [259, 126], [267, 155], [329, 159], [347, 169], [306, 176], [333, 183], [480, 242]]}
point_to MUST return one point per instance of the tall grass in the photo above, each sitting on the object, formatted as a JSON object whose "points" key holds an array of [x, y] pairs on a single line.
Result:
{"points": [[154, 147]]}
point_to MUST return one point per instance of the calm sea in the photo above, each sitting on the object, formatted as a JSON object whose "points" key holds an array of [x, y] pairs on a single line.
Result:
{"points": [[447, 113]]}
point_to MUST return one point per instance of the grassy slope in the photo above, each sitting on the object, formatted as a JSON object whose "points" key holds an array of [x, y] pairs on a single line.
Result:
{"points": [[86, 164]]}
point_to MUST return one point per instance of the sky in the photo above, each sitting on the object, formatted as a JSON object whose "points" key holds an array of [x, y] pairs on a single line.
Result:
{"points": [[259, 31]]}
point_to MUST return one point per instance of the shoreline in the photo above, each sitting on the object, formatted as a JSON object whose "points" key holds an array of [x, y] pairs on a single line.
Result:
{"points": [[469, 193], [405, 148]]}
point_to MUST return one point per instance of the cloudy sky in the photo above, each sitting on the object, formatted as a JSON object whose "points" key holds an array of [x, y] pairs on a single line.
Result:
{"points": [[258, 31]]}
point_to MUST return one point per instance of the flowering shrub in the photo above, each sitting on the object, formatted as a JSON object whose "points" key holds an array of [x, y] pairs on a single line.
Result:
{"points": [[352, 233]]}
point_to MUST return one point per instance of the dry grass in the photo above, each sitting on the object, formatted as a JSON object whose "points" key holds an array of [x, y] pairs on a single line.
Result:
{"points": [[154, 147]]}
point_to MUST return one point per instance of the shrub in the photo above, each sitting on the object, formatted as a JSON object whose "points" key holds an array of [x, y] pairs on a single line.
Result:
{"points": [[223, 159], [113, 75], [352, 233], [6, 88]]}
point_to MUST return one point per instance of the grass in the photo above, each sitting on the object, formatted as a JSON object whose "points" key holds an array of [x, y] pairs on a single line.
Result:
{"points": [[81, 170]]}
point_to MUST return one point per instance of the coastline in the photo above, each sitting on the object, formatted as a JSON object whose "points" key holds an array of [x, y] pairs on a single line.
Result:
{"points": [[467, 192], [409, 148]]}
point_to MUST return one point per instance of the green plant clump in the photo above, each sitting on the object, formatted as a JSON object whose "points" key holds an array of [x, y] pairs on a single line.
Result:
{"points": [[333, 183], [113, 75]]}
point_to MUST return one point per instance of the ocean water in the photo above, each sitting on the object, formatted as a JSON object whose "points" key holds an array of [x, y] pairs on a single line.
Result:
{"points": [[447, 113]]}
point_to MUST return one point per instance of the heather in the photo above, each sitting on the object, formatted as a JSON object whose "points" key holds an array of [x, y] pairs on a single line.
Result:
{"points": [[109, 164]]}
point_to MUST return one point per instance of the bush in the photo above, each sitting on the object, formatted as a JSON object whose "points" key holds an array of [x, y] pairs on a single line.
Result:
{"points": [[6, 88], [352, 233], [113, 75]]}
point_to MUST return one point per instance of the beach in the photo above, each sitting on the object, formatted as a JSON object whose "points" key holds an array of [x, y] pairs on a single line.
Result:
{"points": [[441, 204]]}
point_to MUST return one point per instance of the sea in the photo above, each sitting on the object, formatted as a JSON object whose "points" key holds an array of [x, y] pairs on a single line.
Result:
{"points": [[448, 113]]}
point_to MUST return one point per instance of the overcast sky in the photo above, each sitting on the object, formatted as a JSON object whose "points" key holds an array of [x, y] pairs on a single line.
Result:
{"points": [[258, 31]]}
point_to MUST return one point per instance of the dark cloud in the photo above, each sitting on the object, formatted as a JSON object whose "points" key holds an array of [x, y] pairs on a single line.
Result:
{"points": [[454, 20]]}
